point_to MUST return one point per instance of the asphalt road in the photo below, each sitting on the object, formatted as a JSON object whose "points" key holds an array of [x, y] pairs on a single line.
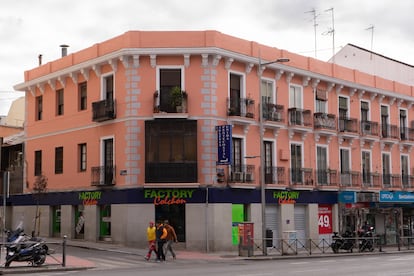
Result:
{"points": [[108, 263]]}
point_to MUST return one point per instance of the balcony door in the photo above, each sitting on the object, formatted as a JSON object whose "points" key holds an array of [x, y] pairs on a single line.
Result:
{"points": [[296, 163], [366, 167], [322, 165], [108, 161], [268, 162], [345, 167], [386, 170], [343, 113], [168, 79]]}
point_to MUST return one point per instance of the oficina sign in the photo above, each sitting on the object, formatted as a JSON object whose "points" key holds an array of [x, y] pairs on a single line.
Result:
{"points": [[386, 196]]}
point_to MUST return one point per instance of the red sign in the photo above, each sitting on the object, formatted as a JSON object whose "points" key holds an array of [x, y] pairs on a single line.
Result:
{"points": [[325, 219]]}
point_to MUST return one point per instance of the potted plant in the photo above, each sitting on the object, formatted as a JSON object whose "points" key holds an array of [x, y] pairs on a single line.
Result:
{"points": [[176, 98]]}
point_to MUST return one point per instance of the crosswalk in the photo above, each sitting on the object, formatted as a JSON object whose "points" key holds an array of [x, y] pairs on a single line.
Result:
{"points": [[113, 262]]}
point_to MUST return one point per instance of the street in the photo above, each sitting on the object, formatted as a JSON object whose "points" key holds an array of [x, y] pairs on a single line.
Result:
{"points": [[120, 264]]}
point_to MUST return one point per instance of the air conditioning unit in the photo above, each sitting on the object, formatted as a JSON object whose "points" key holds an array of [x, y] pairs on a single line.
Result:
{"points": [[249, 177], [238, 176]]}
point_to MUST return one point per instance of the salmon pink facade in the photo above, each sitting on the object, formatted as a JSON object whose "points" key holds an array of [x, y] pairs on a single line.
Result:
{"points": [[166, 125]]}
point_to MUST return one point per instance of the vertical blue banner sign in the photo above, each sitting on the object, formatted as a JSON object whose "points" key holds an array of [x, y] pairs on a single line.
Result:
{"points": [[224, 144]]}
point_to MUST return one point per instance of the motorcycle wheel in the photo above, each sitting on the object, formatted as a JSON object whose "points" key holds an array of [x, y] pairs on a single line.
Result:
{"points": [[335, 248], [39, 259], [8, 261]]}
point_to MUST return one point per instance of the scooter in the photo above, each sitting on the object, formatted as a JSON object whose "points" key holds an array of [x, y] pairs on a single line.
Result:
{"points": [[23, 248], [344, 242], [366, 241]]}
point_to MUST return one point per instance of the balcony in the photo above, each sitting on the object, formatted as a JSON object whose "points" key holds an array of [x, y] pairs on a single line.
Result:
{"points": [[348, 129], [350, 180], [275, 176], [391, 181], [241, 107], [302, 178], [300, 121], [324, 125], [369, 132], [371, 180], [103, 176], [242, 174], [326, 178], [273, 112], [369, 128], [168, 105], [103, 110]]}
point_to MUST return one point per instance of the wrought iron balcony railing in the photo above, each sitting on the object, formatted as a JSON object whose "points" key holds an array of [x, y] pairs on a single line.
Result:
{"points": [[103, 110], [103, 176]]}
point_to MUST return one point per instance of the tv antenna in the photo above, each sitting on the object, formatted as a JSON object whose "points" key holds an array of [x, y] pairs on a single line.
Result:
{"points": [[313, 11], [332, 32], [371, 28]]}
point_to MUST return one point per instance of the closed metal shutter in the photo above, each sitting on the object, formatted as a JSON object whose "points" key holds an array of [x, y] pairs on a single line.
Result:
{"points": [[300, 225], [273, 223]]}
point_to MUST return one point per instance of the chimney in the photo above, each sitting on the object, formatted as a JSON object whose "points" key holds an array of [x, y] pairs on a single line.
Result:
{"points": [[40, 59], [64, 50]]}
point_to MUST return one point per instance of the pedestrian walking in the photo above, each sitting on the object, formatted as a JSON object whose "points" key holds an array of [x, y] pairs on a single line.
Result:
{"points": [[161, 234], [171, 238], [151, 237]]}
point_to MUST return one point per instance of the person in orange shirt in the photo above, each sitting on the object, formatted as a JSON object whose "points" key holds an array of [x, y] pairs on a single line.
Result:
{"points": [[161, 234], [151, 237]]}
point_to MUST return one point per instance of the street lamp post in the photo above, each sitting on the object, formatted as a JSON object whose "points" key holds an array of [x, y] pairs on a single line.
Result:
{"points": [[262, 153]]}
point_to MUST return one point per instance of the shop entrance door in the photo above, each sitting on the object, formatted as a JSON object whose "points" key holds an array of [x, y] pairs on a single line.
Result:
{"points": [[105, 222], [175, 214]]}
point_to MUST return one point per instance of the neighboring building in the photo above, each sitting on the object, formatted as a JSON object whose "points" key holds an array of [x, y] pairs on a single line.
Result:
{"points": [[372, 63], [12, 134], [103, 128]]}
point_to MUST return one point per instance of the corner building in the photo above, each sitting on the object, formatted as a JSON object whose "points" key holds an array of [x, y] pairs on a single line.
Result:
{"points": [[120, 149]]}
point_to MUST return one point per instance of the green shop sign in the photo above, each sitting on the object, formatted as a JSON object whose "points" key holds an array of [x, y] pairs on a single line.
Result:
{"points": [[169, 196], [286, 197], [90, 198]]}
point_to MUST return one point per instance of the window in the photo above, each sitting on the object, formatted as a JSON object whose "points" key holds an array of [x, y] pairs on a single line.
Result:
{"points": [[235, 95], [83, 100], [39, 108], [295, 96], [322, 164], [403, 124], [364, 111], [82, 157], [38, 163], [169, 78], [385, 131], [237, 155], [267, 91], [366, 167], [268, 161], [108, 87], [320, 101], [405, 170], [386, 169], [345, 166], [296, 163], [343, 113], [59, 102], [171, 151], [58, 160]]}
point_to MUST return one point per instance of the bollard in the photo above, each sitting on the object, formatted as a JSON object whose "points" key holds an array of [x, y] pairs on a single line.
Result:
{"points": [[64, 251]]}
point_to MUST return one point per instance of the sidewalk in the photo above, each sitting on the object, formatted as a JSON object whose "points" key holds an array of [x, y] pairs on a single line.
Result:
{"points": [[54, 262]]}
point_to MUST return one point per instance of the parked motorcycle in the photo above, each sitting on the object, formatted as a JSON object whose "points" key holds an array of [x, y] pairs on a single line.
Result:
{"points": [[366, 240], [23, 248], [345, 241]]}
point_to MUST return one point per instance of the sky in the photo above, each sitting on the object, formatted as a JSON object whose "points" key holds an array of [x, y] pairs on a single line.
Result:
{"points": [[29, 28]]}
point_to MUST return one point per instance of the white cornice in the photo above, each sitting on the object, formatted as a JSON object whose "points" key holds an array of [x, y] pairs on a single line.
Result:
{"points": [[204, 52]]}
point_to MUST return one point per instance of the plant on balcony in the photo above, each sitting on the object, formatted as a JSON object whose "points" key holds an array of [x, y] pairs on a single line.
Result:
{"points": [[176, 98]]}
